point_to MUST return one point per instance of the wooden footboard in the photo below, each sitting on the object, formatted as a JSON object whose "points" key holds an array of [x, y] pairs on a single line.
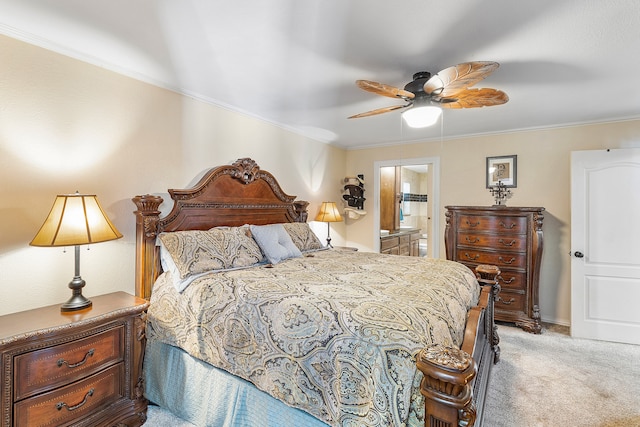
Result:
{"points": [[456, 380]]}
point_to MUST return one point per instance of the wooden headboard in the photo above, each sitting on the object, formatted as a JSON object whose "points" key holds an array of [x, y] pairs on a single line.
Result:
{"points": [[232, 195]]}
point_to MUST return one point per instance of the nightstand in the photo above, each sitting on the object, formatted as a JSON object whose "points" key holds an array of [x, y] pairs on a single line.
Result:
{"points": [[81, 368]]}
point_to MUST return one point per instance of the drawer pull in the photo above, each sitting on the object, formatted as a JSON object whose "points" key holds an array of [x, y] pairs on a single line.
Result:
{"points": [[80, 363], [472, 258], [477, 223], [511, 279], [503, 225], [61, 405], [507, 262], [506, 302], [475, 240], [511, 243]]}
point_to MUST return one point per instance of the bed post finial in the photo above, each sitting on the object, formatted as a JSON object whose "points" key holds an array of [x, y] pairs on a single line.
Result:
{"points": [[447, 386], [301, 210], [147, 217]]}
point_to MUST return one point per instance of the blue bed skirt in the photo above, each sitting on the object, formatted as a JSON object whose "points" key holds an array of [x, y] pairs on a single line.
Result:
{"points": [[205, 396]]}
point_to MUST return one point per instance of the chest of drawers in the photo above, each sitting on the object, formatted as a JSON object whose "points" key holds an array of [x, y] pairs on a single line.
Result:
{"points": [[510, 238], [80, 368]]}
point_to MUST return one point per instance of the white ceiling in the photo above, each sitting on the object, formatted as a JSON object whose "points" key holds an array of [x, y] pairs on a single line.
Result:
{"points": [[294, 62]]}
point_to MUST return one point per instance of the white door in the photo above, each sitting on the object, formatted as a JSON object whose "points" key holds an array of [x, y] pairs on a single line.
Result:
{"points": [[605, 245]]}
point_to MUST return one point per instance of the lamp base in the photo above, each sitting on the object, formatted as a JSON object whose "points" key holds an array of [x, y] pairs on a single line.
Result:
{"points": [[77, 300]]}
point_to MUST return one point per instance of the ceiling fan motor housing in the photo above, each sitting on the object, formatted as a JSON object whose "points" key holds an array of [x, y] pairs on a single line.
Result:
{"points": [[417, 85]]}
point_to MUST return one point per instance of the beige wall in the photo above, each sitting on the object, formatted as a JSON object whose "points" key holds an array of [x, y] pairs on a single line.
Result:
{"points": [[66, 125], [543, 180]]}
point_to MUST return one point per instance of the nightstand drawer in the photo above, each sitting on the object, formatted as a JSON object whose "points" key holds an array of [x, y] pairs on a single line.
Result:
{"points": [[64, 405], [51, 367]]}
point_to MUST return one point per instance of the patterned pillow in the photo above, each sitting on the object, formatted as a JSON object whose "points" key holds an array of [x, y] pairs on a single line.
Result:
{"points": [[303, 237], [197, 251], [275, 242]]}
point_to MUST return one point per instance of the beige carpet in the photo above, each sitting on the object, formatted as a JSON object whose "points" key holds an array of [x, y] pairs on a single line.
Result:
{"points": [[547, 380], [553, 380]]}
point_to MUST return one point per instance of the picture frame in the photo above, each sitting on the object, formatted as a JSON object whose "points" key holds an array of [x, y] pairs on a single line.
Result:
{"points": [[502, 169]]}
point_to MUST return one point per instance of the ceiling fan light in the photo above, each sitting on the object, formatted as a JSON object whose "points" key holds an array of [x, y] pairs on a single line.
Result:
{"points": [[422, 117]]}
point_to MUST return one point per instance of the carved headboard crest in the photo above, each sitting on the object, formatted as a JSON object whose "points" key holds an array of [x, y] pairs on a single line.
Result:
{"points": [[247, 170]]}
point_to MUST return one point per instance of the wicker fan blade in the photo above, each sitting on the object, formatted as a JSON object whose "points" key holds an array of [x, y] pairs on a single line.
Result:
{"points": [[384, 90], [452, 80], [474, 98], [379, 111]]}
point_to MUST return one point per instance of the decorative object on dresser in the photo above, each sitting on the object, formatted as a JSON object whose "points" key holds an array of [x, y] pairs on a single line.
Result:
{"points": [[75, 219], [329, 213], [82, 368], [511, 238], [500, 193]]}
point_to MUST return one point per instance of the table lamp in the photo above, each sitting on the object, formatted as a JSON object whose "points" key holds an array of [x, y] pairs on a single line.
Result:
{"points": [[329, 213], [75, 219]]}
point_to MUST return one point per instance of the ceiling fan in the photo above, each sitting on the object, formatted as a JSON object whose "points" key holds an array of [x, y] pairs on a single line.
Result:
{"points": [[450, 88]]}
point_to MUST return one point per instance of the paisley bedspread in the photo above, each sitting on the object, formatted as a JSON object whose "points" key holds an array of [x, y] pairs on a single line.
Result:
{"points": [[334, 333]]}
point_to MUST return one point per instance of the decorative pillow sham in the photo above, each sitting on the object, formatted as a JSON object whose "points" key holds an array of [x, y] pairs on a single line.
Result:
{"points": [[302, 236], [199, 251], [275, 242]]}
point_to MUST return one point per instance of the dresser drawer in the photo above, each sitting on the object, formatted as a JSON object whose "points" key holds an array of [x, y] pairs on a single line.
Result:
{"points": [[495, 224], [501, 259], [517, 243], [64, 405], [62, 364], [510, 301], [510, 280]]}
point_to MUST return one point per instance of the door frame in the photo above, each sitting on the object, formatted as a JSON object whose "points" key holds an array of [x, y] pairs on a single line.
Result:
{"points": [[434, 199]]}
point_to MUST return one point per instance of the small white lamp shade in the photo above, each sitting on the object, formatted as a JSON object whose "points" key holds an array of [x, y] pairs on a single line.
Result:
{"points": [[421, 117]]}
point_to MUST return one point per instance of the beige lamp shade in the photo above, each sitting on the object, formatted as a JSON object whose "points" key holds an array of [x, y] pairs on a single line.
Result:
{"points": [[329, 213], [75, 219]]}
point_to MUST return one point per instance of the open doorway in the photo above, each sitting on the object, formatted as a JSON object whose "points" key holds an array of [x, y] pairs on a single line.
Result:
{"points": [[406, 201]]}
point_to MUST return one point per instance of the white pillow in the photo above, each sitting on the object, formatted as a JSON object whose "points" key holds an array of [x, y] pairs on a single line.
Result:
{"points": [[275, 242]]}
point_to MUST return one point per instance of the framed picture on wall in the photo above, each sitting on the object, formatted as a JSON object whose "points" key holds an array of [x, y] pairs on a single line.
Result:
{"points": [[502, 169]]}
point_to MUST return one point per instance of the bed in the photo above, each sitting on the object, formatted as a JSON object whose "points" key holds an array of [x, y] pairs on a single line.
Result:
{"points": [[253, 322]]}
